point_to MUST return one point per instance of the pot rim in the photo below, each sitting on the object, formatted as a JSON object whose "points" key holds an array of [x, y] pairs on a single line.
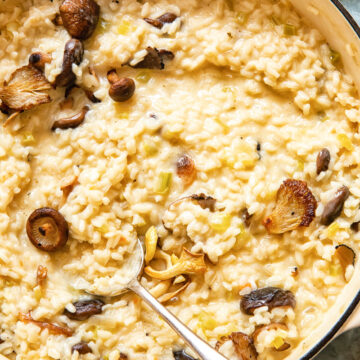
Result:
{"points": [[356, 300]]}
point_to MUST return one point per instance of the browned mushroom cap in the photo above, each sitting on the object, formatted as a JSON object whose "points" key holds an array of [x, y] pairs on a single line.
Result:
{"points": [[334, 207], [161, 20], [71, 122], [39, 60], [185, 169], [243, 344], [82, 348], [323, 161], [346, 256], [84, 309], [47, 229], [25, 89], [121, 89], [295, 206], [271, 297], [73, 54], [154, 59], [80, 17]]}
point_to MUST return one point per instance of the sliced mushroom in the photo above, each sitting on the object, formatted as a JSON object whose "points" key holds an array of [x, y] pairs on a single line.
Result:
{"points": [[185, 169], [271, 297], [243, 344], [161, 20], [182, 355], [188, 263], [205, 201], [334, 207], [346, 256], [72, 121], [90, 95], [80, 17], [39, 60], [85, 309], [67, 187], [323, 161], [154, 59], [73, 54], [25, 89], [82, 348], [295, 206], [47, 229], [246, 217], [121, 89], [41, 275], [52, 328]]}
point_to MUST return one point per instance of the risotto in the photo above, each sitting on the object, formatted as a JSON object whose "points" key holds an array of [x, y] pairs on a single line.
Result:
{"points": [[221, 133]]}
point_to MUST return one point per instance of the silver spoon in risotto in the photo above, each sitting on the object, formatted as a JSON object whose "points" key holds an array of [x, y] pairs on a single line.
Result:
{"points": [[116, 286]]}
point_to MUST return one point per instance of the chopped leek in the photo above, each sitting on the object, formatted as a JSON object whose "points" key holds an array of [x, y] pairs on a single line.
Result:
{"points": [[206, 321], [333, 229], [164, 182], [143, 77], [220, 222], [28, 139], [335, 57], [345, 142], [124, 27], [278, 342], [289, 30], [150, 147]]}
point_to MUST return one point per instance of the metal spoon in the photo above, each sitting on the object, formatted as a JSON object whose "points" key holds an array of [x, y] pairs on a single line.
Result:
{"points": [[199, 346]]}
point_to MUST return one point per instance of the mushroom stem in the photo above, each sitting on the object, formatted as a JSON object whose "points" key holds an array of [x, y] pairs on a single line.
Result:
{"points": [[71, 122]]}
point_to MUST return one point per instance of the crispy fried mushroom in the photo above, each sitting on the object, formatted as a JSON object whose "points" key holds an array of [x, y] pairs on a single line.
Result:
{"points": [[72, 121], [80, 17], [25, 89], [271, 297], [295, 206], [188, 263], [243, 344]]}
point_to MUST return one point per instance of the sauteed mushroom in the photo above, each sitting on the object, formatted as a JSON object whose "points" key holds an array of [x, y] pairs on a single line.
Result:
{"points": [[154, 59], [161, 20], [82, 348], [271, 297], [322, 161], [39, 60], [73, 54], [185, 169], [243, 344], [80, 17], [334, 207], [85, 309], [25, 89], [205, 201], [346, 256], [295, 206], [72, 121], [47, 229], [121, 89]]}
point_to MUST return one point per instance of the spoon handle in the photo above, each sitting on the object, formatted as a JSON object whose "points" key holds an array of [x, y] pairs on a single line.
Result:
{"points": [[200, 347]]}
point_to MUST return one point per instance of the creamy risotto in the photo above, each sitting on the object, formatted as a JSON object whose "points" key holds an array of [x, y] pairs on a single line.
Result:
{"points": [[221, 133]]}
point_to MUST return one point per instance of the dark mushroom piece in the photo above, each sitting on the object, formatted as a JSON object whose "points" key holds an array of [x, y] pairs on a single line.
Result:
{"points": [[185, 169], [334, 207], [355, 226], [80, 17], [85, 309], [121, 89], [82, 348], [39, 60], [71, 122], [271, 297], [47, 229], [182, 355], [246, 217], [73, 54], [161, 20], [323, 161], [154, 59], [243, 344], [205, 201]]}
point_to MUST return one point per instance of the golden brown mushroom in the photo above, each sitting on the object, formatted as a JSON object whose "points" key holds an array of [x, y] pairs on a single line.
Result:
{"points": [[39, 60], [121, 89], [47, 229], [295, 206], [72, 121], [346, 256], [243, 344], [25, 89], [80, 17], [185, 169], [161, 20]]}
